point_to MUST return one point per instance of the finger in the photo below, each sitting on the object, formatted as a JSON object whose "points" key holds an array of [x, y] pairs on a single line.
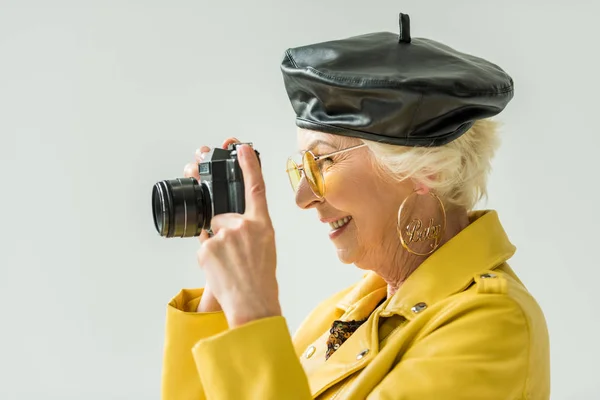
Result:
{"points": [[200, 153], [203, 237], [191, 171], [229, 141], [254, 183], [225, 221]]}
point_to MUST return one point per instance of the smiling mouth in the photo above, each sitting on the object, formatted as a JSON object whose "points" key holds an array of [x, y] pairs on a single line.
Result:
{"points": [[340, 222]]}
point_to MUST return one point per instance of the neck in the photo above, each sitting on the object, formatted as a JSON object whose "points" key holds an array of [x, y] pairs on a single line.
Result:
{"points": [[405, 263]]}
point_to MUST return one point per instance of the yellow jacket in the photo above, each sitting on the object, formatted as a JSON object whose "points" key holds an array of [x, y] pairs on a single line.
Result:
{"points": [[461, 327]]}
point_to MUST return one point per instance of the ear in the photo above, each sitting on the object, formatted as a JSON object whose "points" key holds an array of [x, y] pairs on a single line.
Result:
{"points": [[421, 188]]}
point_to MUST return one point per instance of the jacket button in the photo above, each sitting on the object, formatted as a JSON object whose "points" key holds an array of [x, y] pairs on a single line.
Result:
{"points": [[310, 351], [362, 354], [417, 308], [485, 276]]}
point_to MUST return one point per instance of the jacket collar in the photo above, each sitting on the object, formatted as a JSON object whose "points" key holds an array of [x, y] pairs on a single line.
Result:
{"points": [[482, 245]]}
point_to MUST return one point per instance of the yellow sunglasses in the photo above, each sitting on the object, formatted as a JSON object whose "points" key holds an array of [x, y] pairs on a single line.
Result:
{"points": [[310, 169]]}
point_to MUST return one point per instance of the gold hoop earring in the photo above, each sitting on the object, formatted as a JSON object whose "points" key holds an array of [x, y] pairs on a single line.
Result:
{"points": [[415, 231]]}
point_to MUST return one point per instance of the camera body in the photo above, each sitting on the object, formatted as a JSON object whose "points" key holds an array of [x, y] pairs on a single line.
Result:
{"points": [[221, 173], [183, 207]]}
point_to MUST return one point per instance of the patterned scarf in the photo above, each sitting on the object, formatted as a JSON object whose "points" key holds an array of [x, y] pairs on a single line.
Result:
{"points": [[340, 332]]}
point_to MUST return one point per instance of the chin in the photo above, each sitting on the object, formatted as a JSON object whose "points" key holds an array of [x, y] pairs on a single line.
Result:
{"points": [[346, 256]]}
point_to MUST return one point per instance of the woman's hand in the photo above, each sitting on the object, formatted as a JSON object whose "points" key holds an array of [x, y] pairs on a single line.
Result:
{"points": [[240, 259], [208, 302]]}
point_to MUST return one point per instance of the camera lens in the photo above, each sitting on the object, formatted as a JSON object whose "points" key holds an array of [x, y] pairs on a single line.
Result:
{"points": [[181, 207]]}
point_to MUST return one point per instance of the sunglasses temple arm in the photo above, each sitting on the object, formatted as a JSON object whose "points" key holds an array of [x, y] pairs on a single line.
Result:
{"points": [[317, 158]]}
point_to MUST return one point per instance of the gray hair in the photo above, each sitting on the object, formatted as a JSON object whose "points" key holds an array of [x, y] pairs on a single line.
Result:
{"points": [[457, 171]]}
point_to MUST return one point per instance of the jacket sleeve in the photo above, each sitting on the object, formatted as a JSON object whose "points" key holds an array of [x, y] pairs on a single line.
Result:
{"points": [[478, 351], [184, 328], [254, 361], [204, 359]]}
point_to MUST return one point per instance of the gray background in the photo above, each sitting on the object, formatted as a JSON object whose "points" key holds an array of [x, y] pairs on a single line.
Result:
{"points": [[101, 99]]}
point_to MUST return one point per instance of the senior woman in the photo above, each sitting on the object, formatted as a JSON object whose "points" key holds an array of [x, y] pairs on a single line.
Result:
{"points": [[397, 141]]}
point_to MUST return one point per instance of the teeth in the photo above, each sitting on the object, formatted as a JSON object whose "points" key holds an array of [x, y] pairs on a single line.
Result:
{"points": [[340, 222]]}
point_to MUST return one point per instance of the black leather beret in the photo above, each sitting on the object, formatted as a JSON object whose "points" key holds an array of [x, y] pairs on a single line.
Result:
{"points": [[392, 88]]}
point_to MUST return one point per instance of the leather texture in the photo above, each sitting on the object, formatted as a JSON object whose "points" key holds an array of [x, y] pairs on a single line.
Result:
{"points": [[392, 88], [463, 326]]}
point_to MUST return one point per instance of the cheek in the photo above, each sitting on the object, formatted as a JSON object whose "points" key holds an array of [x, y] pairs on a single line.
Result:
{"points": [[367, 197], [339, 193], [351, 191]]}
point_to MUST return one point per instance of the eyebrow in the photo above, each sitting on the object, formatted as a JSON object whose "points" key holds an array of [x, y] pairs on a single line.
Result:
{"points": [[317, 142]]}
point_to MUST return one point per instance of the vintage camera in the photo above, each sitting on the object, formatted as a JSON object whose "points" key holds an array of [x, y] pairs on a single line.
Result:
{"points": [[183, 207]]}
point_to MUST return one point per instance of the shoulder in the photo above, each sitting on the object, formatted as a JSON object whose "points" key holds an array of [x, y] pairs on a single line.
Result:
{"points": [[496, 318], [495, 293], [501, 289]]}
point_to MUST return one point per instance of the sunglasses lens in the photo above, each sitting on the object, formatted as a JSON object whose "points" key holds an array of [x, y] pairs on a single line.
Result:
{"points": [[313, 174], [293, 174]]}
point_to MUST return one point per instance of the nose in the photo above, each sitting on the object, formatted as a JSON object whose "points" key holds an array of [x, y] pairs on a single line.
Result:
{"points": [[305, 197]]}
